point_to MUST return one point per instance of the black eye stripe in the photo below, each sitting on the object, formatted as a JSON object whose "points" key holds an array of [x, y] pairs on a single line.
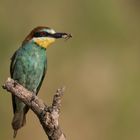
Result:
{"points": [[41, 34]]}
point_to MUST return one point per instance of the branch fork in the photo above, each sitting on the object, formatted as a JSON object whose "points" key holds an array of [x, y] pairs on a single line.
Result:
{"points": [[48, 115]]}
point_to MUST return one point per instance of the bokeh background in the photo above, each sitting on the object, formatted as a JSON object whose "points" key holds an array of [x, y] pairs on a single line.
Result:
{"points": [[100, 66]]}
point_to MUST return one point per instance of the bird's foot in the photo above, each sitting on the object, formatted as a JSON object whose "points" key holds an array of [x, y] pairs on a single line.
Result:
{"points": [[15, 83], [32, 98]]}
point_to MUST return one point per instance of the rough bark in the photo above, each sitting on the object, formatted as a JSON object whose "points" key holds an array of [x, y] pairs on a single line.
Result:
{"points": [[48, 115]]}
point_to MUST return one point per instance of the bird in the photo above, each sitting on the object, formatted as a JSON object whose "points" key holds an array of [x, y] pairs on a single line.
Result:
{"points": [[28, 67]]}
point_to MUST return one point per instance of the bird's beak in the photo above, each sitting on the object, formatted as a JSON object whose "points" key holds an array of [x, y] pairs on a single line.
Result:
{"points": [[62, 35]]}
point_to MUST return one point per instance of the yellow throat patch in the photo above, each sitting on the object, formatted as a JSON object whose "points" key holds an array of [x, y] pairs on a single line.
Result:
{"points": [[44, 41]]}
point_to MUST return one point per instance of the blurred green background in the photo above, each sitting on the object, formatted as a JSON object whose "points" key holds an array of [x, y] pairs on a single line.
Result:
{"points": [[100, 66]]}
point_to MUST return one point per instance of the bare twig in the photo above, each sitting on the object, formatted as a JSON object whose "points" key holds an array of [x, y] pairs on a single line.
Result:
{"points": [[48, 115]]}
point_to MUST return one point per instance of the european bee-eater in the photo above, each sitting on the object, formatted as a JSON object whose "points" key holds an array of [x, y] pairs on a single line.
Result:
{"points": [[28, 67]]}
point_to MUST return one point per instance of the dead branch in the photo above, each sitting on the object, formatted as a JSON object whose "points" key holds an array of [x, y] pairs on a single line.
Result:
{"points": [[48, 115]]}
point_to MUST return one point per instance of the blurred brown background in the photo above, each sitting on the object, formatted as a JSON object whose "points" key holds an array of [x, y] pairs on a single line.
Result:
{"points": [[100, 66]]}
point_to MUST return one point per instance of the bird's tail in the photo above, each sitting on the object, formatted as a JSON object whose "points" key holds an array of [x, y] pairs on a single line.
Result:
{"points": [[18, 121]]}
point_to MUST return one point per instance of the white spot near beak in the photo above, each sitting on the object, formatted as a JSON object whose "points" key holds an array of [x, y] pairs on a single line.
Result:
{"points": [[51, 31]]}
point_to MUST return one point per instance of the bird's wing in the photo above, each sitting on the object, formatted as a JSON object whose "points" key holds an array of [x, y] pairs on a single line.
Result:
{"points": [[13, 61], [43, 75], [12, 65], [38, 88]]}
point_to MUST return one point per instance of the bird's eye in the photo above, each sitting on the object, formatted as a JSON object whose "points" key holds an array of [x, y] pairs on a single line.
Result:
{"points": [[40, 34]]}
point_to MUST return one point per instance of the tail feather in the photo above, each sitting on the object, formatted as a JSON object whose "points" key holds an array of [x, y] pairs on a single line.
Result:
{"points": [[15, 133], [18, 121]]}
